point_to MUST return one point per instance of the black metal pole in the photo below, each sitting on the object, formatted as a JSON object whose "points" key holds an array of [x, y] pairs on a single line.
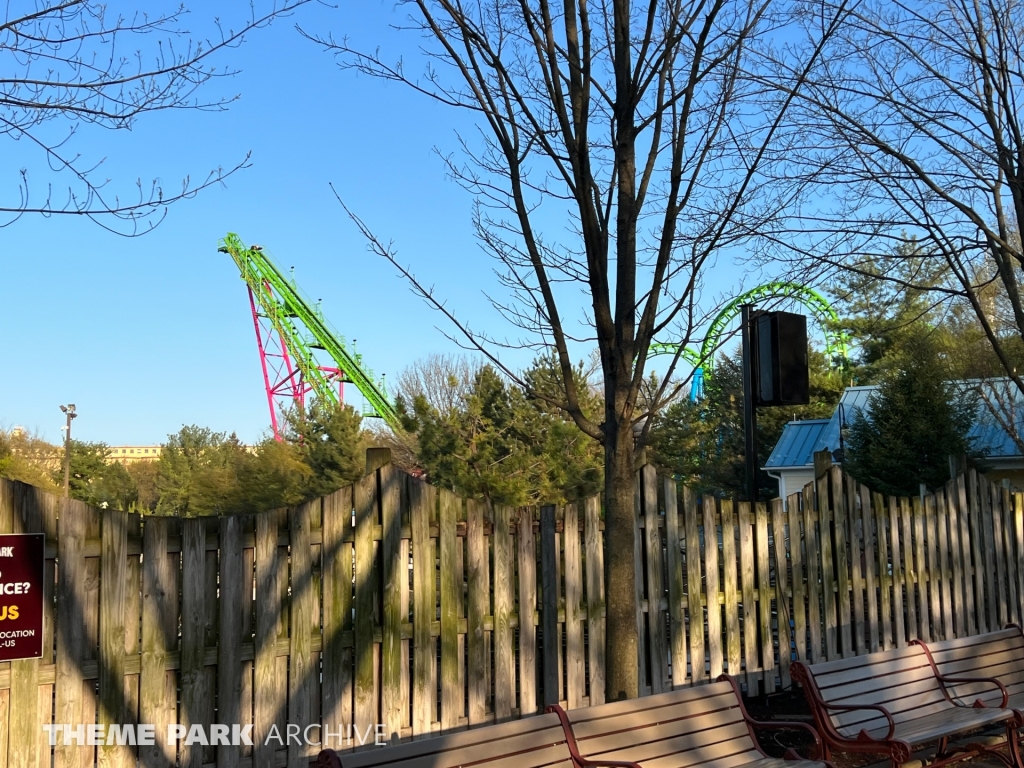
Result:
{"points": [[749, 404]]}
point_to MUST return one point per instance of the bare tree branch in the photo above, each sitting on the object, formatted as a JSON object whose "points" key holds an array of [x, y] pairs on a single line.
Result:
{"points": [[70, 62], [910, 132]]}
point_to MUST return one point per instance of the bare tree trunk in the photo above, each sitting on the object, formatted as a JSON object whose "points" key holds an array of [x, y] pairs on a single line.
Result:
{"points": [[639, 124], [622, 641]]}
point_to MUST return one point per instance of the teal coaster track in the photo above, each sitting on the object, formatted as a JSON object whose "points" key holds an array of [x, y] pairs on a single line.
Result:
{"points": [[702, 360], [289, 327]]}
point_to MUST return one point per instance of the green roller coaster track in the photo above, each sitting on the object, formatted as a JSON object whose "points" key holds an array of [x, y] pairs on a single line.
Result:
{"points": [[288, 311], [836, 343]]}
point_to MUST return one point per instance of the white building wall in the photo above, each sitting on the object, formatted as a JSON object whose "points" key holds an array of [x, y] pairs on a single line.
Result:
{"points": [[793, 480]]}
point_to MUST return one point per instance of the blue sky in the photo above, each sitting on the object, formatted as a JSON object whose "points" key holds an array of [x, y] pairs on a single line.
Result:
{"points": [[147, 334]]}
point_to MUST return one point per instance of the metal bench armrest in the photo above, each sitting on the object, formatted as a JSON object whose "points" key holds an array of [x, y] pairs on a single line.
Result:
{"points": [[752, 722], [570, 739], [966, 680], [943, 680], [854, 707]]}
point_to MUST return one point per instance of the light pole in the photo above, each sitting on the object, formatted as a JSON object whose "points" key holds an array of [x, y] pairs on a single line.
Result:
{"points": [[69, 410]]}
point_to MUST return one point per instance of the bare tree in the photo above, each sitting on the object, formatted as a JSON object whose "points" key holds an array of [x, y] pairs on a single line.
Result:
{"points": [[620, 149], [444, 380], [911, 149], [68, 63]]}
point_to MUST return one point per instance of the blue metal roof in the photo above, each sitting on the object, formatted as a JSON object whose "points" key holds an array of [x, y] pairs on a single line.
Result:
{"points": [[796, 443], [992, 440], [800, 440]]}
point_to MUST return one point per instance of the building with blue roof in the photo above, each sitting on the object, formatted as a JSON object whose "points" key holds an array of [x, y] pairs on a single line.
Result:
{"points": [[792, 460]]}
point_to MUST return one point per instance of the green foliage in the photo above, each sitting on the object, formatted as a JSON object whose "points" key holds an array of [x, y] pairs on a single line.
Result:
{"points": [[29, 459], [143, 475], [880, 314], [197, 473], [329, 443], [702, 443], [501, 445], [916, 420], [201, 472], [274, 475], [96, 480]]}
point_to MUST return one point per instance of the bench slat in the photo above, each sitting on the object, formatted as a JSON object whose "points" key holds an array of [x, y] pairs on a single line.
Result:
{"points": [[543, 757], [992, 658], [876, 688], [1008, 671], [721, 757], [654, 741], [914, 708], [684, 718], [934, 727], [679, 722], [700, 727], [998, 655], [873, 665], [512, 737], [1010, 635], [701, 695]]}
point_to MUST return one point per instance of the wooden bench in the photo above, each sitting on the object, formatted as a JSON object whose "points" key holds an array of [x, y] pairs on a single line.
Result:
{"points": [[705, 725], [532, 742], [992, 664], [892, 702]]}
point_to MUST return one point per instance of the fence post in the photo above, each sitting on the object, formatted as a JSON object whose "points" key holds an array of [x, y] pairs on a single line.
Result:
{"points": [[549, 606]]}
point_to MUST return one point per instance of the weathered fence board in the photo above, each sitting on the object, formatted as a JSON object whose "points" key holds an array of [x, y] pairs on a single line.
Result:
{"points": [[764, 602], [712, 599], [695, 626], [504, 669], [782, 581], [594, 553], [527, 615], [575, 666], [799, 612], [870, 539]]}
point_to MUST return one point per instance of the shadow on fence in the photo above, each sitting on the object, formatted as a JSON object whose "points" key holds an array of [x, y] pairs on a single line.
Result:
{"points": [[395, 605]]}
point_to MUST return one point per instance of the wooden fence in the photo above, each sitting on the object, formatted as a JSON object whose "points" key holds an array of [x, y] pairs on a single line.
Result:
{"points": [[392, 602]]}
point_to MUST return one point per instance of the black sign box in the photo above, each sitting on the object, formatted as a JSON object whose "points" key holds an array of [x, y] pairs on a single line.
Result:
{"points": [[21, 595]]}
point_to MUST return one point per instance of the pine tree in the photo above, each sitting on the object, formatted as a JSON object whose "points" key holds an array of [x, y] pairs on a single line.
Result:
{"points": [[914, 422]]}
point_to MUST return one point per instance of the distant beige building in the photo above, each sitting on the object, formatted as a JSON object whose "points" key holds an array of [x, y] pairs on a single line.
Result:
{"points": [[127, 454]]}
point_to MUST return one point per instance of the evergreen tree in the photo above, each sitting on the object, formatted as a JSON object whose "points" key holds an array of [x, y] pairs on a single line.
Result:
{"points": [[914, 422], [274, 475], [143, 475], [499, 444], [702, 442], [198, 473], [97, 480], [328, 440]]}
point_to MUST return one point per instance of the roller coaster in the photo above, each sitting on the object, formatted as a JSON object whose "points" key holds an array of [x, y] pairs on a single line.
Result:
{"points": [[702, 360], [292, 335], [290, 330]]}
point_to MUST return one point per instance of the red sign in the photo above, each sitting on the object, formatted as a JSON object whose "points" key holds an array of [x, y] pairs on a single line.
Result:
{"points": [[21, 595]]}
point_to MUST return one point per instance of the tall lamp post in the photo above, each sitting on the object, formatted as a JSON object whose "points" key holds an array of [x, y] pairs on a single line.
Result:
{"points": [[69, 411]]}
